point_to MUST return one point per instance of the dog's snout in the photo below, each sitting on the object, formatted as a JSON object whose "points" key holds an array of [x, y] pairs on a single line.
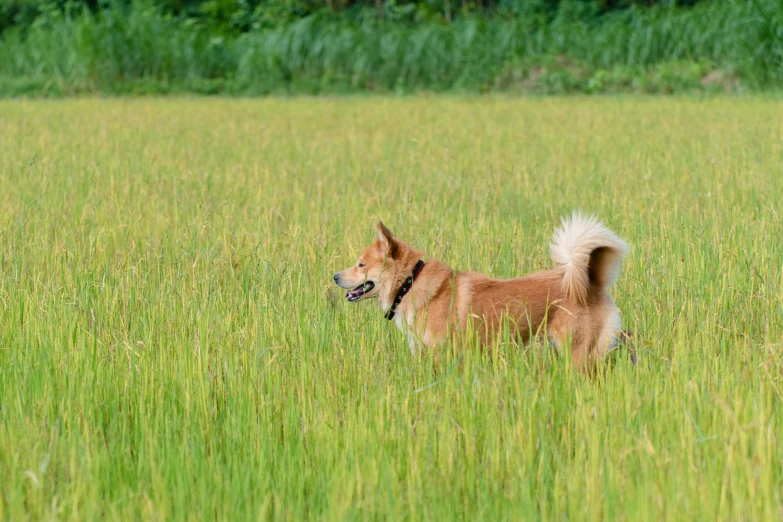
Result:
{"points": [[336, 278]]}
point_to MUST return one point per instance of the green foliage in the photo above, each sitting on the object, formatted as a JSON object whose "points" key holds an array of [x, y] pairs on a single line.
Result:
{"points": [[664, 48], [233, 16]]}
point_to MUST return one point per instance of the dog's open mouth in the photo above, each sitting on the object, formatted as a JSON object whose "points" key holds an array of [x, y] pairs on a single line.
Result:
{"points": [[359, 291]]}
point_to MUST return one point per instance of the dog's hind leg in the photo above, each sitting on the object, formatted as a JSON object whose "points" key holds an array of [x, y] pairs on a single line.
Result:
{"points": [[566, 335]]}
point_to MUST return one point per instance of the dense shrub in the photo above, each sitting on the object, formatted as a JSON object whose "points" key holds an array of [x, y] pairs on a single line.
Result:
{"points": [[561, 47]]}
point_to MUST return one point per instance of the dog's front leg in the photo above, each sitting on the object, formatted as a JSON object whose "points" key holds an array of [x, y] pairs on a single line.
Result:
{"points": [[403, 327]]}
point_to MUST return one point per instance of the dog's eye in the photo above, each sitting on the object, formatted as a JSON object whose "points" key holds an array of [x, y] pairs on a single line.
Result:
{"points": [[361, 265]]}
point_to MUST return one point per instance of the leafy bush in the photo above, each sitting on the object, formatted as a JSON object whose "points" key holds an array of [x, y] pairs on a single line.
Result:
{"points": [[666, 48]]}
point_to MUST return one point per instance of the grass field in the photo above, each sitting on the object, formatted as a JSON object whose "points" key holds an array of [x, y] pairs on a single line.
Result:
{"points": [[172, 347]]}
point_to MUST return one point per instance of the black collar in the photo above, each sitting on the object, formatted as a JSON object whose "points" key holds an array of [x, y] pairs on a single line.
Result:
{"points": [[406, 286]]}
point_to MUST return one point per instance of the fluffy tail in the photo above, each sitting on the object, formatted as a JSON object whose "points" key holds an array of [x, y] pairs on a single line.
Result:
{"points": [[588, 253]]}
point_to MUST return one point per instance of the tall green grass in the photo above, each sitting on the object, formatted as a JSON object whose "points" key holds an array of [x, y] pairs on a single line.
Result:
{"points": [[659, 49], [172, 346]]}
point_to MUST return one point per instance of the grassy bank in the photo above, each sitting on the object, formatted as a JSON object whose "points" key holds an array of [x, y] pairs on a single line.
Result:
{"points": [[730, 45], [172, 346]]}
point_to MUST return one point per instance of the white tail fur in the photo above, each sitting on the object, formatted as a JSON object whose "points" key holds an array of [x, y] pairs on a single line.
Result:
{"points": [[588, 253]]}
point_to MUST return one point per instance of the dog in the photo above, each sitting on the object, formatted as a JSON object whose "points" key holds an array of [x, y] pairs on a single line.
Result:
{"points": [[570, 303]]}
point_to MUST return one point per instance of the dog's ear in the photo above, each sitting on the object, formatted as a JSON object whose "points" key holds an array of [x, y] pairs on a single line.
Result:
{"points": [[388, 243]]}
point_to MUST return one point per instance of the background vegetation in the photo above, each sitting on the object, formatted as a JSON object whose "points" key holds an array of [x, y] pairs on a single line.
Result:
{"points": [[172, 346], [332, 46]]}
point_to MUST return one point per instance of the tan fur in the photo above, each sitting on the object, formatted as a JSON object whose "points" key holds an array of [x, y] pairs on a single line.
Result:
{"points": [[569, 303]]}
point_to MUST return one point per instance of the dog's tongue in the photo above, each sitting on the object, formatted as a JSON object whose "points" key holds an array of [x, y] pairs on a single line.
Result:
{"points": [[354, 292]]}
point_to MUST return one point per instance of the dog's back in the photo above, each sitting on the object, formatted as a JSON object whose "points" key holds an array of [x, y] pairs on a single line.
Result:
{"points": [[570, 301]]}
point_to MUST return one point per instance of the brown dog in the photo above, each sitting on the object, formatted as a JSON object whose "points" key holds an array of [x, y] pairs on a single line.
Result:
{"points": [[431, 301]]}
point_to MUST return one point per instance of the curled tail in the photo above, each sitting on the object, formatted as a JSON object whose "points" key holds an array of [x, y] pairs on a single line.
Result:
{"points": [[588, 253]]}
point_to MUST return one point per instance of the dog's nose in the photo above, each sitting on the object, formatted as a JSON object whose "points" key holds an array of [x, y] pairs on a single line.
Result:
{"points": [[336, 278]]}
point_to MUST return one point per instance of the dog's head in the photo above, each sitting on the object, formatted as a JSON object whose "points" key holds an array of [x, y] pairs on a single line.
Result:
{"points": [[375, 270]]}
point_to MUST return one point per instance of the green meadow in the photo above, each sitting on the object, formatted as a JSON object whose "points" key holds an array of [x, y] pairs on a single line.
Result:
{"points": [[172, 346]]}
